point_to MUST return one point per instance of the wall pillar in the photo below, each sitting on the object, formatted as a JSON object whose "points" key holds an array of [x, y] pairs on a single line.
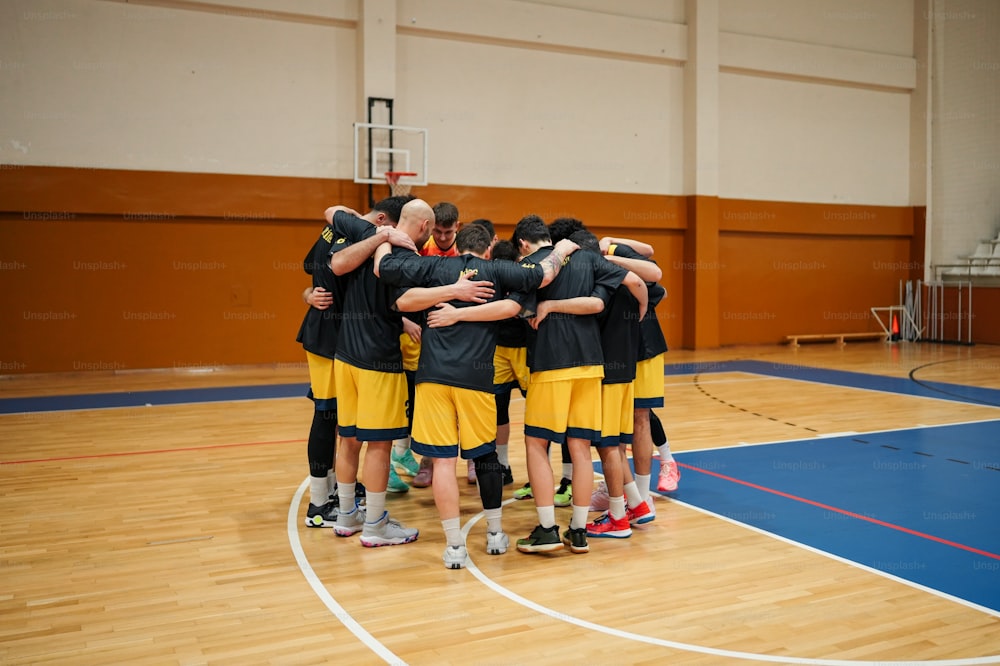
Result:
{"points": [[701, 176]]}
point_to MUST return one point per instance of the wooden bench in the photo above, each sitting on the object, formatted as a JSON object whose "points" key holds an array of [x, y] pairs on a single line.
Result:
{"points": [[839, 337]]}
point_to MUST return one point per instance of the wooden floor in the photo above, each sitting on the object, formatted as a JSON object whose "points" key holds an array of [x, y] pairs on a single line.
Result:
{"points": [[173, 535]]}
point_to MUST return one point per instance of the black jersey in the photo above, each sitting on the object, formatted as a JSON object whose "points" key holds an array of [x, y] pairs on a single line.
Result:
{"points": [[320, 328], [652, 341], [370, 328], [460, 355], [512, 332], [565, 340], [620, 337]]}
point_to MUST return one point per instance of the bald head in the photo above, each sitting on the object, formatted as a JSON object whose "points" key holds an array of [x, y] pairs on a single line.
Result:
{"points": [[416, 220]]}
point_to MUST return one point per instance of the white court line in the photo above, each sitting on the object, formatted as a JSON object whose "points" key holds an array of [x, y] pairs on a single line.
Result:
{"points": [[689, 647], [858, 565], [389, 657], [316, 584]]}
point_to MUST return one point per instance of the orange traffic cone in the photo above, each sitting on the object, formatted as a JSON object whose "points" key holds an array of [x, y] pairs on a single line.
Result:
{"points": [[895, 329]]}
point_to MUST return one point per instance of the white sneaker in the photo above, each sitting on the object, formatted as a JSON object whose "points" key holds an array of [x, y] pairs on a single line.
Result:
{"points": [[349, 523], [497, 543], [386, 532], [599, 499], [454, 557]]}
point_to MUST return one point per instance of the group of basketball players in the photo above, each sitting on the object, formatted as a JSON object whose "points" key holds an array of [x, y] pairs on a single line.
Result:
{"points": [[409, 309]]}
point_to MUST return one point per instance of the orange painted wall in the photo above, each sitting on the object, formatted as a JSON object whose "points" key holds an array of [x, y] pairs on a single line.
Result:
{"points": [[116, 270]]}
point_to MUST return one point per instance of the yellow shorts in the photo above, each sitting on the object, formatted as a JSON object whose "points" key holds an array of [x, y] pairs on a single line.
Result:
{"points": [[322, 387], [449, 421], [649, 382], [371, 405], [510, 369], [411, 352], [564, 403], [618, 414]]}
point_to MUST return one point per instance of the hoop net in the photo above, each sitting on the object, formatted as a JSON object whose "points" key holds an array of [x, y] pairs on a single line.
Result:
{"points": [[397, 188]]}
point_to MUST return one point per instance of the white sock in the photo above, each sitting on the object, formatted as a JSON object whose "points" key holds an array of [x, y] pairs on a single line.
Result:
{"points": [[579, 518], [399, 446], [546, 515], [665, 454], [345, 491], [632, 494], [642, 480], [319, 492], [567, 470], [616, 507], [374, 506], [503, 454], [452, 531], [331, 483], [493, 519]]}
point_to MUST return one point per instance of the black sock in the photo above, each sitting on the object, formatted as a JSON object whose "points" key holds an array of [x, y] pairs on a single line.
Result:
{"points": [[322, 442], [656, 429], [490, 475]]}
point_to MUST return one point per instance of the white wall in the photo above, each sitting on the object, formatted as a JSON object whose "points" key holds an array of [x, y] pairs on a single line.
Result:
{"points": [[812, 142], [568, 94], [877, 26], [511, 117], [965, 108], [814, 100], [113, 85]]}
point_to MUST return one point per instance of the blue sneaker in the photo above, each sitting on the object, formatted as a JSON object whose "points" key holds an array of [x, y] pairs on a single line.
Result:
{"points": [[404, 463], [396, 484]]}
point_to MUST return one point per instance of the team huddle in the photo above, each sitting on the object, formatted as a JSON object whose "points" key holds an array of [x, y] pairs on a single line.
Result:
{"points": [[414, 346]]}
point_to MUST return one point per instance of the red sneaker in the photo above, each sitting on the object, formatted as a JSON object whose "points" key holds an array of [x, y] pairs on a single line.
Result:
{"points": [[606, 526], [642, 514]]}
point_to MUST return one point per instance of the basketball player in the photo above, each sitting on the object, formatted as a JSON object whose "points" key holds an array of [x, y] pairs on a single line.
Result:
{"points": [[455, 412]]}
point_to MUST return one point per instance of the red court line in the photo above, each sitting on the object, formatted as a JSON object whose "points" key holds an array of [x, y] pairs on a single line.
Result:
{"points": [[875, 521], [145, 453]]}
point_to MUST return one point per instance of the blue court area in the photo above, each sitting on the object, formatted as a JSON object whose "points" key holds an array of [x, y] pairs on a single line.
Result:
{"points": [[920, 504], [57, 403]]}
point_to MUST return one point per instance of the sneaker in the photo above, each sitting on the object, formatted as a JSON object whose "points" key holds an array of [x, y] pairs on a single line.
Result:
{"points": [[386, 532], [524, 492], [405, 463], [454, 557], [424, 476], [669, 476], [497, 543], [349, 523], [322, 516], [599, 499], [472, 473], [642, 514], [564, 493], [576, 539], [541, 540], [508, 476], [606, 526], [395, 484]]}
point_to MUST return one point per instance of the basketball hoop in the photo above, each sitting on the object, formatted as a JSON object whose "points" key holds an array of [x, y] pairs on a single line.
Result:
{"points": [[397, 188]]}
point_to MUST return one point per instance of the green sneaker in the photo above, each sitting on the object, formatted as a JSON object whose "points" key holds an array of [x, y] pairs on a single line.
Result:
{"points": [[564, 493], [541, 540], [524, 492], [396, 484], [405, 463], [576, 539]]}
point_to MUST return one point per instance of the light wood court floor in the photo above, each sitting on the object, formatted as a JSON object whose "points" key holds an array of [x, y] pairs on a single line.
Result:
{"points": [[173, 534]]}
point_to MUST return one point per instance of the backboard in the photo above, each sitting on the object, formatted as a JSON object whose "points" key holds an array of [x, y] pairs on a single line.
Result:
{"points": [[380, 148]]}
